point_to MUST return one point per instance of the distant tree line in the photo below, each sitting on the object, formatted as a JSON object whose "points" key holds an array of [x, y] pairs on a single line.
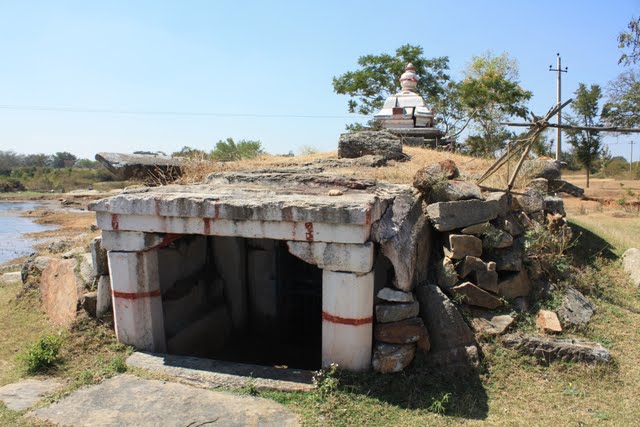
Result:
{"points": [[226, 150], [10, 160]]}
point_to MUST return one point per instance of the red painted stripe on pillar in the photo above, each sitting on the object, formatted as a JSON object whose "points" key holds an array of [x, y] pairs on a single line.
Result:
{"points": [[136, 295], [345, 320]]}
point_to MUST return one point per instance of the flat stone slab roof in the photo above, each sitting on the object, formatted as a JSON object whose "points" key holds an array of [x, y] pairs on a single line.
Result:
{"points": [[263, 196]]}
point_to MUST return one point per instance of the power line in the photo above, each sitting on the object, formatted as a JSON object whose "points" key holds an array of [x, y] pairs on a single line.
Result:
{"points": [[87, 110]]}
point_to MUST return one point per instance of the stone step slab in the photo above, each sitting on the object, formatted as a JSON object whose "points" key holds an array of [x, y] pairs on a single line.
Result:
{"points": [[24, 394], [126, 400]]}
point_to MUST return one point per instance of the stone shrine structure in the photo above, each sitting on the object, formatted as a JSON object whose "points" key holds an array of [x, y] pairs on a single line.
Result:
{"points": [[407, 115], [251, 263]]}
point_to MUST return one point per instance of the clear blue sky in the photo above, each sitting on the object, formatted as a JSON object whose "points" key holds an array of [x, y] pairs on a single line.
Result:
{"points": [[260, 57]]}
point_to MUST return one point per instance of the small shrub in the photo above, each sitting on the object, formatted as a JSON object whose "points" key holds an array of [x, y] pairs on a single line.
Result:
{"points": [[438, 406], [326, 380], [118, 365], [43, 354]]}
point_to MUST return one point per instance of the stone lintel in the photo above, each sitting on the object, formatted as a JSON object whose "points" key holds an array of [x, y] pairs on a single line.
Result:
{"points": [[132, 241], [335, 256], [277, 230]]}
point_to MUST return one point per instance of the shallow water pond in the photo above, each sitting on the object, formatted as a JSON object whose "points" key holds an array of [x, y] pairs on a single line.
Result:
{"points": [[13, 243]]}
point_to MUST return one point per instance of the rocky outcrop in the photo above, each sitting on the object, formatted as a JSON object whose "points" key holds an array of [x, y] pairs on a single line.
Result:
{"points": [[377, 143], [566, 350], [141, 166]]}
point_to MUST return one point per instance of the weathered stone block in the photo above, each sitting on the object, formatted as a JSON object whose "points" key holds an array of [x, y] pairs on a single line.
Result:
{"points": [[518, 285], [447, 216], [547, 322], [60, 290], [566, 350], [508, 259], [511, 226], [462, 245], [99, 257], [446, 273], [377, 143], [478, 229], [503, 199], [335, 256], [531, 201], [453, 190], [484, 274], [562, 186], [390, 358], [86, 270], [554, 205], [394, 312], [404, 234], [447, 329], [497, 240], [402, 332], [540, 185], [89, 302], [487, 323], [473, 295], [103, 301], [394, 295], [576, 309], [540, 168]]}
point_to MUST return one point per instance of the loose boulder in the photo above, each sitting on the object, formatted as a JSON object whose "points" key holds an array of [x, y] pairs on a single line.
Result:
{"points": [[391, 358], [377, 143], [631, 264], [576, 309]]}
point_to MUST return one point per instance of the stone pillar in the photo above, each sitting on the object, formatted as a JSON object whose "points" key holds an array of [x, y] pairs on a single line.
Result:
{"points": [[347, 319], [137, 300]]}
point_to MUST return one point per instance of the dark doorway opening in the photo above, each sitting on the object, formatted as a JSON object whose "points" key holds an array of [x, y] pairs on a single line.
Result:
{"points": [[241, 300]]}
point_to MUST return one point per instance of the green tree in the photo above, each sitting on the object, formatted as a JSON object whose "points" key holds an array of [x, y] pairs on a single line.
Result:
{"points": [[588, 143], [490, 94], [630, 41], [189, 153], [623, 100], [378, 77], [228, 150], [63, 159]]}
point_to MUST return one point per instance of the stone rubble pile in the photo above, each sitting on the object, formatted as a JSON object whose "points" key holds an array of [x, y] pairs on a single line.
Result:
{"points": [[76, 279], [481, 271]]}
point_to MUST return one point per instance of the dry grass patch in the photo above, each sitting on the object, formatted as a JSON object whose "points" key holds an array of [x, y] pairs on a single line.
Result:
{"points": [[396, 172]]}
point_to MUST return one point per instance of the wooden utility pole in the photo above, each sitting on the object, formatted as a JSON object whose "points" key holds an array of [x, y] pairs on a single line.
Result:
{"points": [[559, 70]]}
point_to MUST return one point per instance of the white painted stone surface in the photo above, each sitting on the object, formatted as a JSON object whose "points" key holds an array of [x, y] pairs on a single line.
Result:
{"points": [[297, 231], [138, 317], [129, 241], [335, 256], [349, 297]]}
